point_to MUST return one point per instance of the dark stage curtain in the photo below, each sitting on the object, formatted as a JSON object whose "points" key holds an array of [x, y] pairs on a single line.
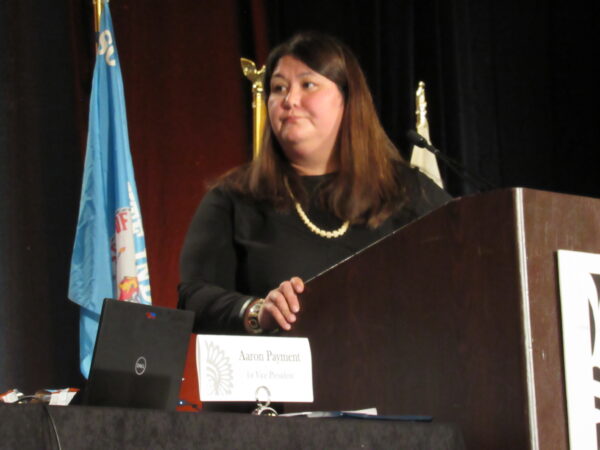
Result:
{"points": [[511, 85], [42, 101], [510, 90]]}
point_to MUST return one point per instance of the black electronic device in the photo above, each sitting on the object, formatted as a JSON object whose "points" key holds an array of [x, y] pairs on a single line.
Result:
{"points": [[139, 356]]}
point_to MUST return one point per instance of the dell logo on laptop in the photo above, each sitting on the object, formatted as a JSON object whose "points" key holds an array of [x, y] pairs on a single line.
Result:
{"points": [[140, 365]]}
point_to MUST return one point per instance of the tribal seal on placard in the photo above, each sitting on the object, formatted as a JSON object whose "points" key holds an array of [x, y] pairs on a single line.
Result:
{"points": [[219, 369]]}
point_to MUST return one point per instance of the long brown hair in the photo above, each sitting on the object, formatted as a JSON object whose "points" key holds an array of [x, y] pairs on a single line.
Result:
{"points": [[368, 186]]}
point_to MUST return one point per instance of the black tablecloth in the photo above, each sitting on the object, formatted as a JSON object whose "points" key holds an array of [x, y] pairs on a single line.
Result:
{"points": [[33, 426]]}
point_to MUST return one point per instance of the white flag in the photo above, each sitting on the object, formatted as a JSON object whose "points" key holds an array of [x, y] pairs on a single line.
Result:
{"points": [[422, 158]]}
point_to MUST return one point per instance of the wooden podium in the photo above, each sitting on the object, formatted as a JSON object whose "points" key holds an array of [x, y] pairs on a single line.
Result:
{"points": [[456, 315]]}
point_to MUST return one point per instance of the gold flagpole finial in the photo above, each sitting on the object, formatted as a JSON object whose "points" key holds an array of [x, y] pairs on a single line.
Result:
{"points": [[259, 110], [421, 104]]}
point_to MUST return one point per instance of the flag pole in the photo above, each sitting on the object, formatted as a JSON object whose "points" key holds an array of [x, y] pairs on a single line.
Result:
{"points": [[259, 110], [97, 13]]}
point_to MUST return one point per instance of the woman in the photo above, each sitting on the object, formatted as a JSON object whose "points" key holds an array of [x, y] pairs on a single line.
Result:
{"points": [[328, 183]]}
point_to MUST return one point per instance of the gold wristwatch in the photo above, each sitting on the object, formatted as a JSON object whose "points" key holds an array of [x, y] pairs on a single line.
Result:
{"points": [[251, 321]]}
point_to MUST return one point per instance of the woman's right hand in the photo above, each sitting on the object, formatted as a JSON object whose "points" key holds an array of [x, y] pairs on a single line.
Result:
{"points": [[281, 306]]}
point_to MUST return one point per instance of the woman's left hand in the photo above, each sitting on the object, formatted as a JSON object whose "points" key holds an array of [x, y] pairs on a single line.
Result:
{"points": [[281, 305]]}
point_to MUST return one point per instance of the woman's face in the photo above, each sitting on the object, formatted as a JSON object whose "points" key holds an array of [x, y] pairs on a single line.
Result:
{"points": [[305, 110]]}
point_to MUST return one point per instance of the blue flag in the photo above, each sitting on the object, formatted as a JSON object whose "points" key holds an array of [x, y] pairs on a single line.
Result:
{"points": [[109, 254]]}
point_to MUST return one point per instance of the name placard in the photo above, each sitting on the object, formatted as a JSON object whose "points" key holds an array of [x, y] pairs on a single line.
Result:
{"points": [[254, 368]]}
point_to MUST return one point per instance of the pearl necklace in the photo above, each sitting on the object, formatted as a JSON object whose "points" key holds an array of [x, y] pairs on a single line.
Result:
{"points": [[311, 226]]}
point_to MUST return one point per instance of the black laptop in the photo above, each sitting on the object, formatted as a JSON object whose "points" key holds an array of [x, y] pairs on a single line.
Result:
{"points": [[139, 356]]}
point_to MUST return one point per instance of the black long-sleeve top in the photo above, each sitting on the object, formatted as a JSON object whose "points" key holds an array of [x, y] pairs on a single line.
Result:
{"points": [[237, 249]]}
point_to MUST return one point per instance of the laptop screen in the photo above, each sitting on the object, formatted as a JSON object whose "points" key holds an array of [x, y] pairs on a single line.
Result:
{"points": [[139, 356]]}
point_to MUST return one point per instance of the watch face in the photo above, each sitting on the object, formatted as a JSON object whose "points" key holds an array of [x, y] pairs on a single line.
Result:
{"points": [[252, 324], [255, 309]]}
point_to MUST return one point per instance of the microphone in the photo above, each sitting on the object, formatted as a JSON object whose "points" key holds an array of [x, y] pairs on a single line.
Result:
{"points": [[479, 182], [416, 139]]}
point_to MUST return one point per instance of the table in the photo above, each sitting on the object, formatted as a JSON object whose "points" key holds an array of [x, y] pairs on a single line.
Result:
{"points": [[30, 426]]}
